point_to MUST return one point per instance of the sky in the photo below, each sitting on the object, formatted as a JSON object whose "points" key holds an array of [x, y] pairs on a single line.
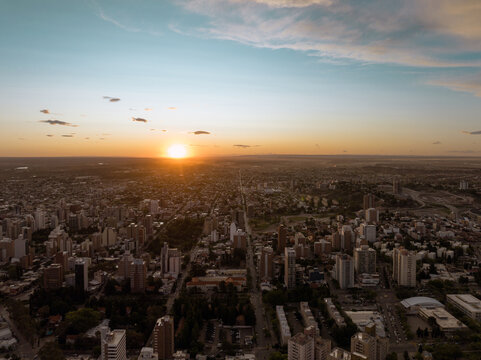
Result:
{"points": [[240, 77]]}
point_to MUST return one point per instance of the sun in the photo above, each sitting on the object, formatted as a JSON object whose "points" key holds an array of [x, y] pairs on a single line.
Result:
{"points": [[177, 151]]}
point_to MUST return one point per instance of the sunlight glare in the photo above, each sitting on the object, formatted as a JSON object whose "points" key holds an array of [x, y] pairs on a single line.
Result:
{"points": [[177, 151]]}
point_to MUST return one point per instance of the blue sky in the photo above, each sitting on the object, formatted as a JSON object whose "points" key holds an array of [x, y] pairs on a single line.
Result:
{"points": [[278, 76]]}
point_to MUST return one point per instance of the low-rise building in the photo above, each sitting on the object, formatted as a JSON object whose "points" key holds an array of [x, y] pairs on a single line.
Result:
{"points": [[467, 303]]}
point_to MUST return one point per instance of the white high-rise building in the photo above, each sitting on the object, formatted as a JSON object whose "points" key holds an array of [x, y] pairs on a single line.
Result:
{"points": [[365, 260], [113, 344], [233, 230], [404, 267], [300, 347], [343, 271], [290, 268], [368, 231]]}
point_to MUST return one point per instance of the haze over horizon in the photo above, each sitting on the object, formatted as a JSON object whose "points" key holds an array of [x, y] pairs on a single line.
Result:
{"points": [[313, 77]]}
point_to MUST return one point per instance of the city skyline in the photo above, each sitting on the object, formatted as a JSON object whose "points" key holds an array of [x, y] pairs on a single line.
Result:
{"points": [[314, 77]]}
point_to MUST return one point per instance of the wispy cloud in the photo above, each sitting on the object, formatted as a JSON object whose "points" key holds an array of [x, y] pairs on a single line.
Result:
{"points": [[171, 108], [436, 143], [137, 119], [58, 122], [111, 99], [148, 109], [420, 33], [477, 132], [469, 84], [243, 146], [67, 135], [110, 19], [49, 135], [45, 111], [200, 132]]}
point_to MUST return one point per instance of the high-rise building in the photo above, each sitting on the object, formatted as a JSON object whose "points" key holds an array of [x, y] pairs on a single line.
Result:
{"points": [[368, 201], [322, 348], [53, 276], [147, 353], [396, 186], [138, 274], [164, 258], [336, 241], [341, 354], [347, 238], [174, 262], [281, 238], [163, 337], [369, 232], [240, 240], [290, 268], [113, 344], [232, 231], [266, 264], [370, 346], [372, 215], [81, 274], [124, 265], [364, 344], [343, 271], [301, 347], [404, 267], [365, 260]]}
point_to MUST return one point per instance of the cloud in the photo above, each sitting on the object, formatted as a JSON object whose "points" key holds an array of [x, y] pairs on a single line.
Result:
{"points": [[467, 151], [101, 14], [45, 111], [197, 145], [67, 135], [478, 132], [87, 138], [163, 130], [437, 143], [171, 108], [467, 83], [293, 3], [200, 132], [111, 99], [243, 146], [49, 135], [148, 109], [58, 122], [420, 33], [139, 119]]}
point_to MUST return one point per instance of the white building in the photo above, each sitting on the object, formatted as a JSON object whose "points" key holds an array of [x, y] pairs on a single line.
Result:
{"points": [[113, 344], [468, 304], [283, 324], [404, 267], [343, 271], [300, 347]]}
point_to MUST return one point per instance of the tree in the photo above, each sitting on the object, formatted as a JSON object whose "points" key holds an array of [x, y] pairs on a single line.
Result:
{"points": [[391, 356], [81, 320], [51, 351], [277, 356]]}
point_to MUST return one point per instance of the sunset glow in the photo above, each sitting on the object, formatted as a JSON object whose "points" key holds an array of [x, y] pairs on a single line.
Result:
{"points": [[177, 151]]}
